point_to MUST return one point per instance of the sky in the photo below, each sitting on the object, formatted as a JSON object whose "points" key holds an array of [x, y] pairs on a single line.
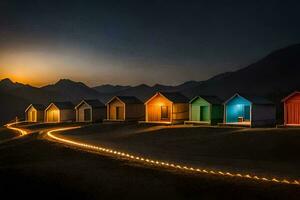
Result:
{"points": [[134, 42]]}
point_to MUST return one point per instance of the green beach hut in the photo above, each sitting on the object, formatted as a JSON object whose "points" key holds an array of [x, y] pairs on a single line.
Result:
{"points": [[206, 110]]}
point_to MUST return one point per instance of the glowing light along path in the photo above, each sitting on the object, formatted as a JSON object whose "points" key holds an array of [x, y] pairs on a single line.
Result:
{"points": [[163, 164], [21, 131]]}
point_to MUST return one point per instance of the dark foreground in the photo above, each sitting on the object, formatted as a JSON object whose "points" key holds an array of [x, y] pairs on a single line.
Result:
{"points": [[33, 167], [6, 134]]}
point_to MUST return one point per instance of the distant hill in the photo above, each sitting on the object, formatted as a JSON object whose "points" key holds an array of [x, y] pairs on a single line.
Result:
{"points": [[27, 92], [6, 85], [22, 95], [70, 90], [110, 89], [144, 91], [274, 76]]}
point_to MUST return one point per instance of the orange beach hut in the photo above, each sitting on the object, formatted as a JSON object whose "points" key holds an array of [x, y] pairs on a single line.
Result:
{"points": [[60, 112], [167, 107]]}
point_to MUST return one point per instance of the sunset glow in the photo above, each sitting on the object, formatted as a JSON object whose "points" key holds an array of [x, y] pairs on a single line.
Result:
{"points": [[130, 46]]}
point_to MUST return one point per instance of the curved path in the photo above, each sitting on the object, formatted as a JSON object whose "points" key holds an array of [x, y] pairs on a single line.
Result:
{"points": [[12, 127], [159, 163], [21, 131], [145, 160]]}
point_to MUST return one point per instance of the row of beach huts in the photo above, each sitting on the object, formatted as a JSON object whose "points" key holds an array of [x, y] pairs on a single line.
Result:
{"points": [[171, 108]]}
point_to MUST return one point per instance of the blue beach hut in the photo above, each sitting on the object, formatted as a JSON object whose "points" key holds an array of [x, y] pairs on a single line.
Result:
{"points": [[246, 110]]}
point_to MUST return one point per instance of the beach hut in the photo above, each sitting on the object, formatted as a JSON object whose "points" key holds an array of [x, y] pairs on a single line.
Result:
{"points": [[60, 112], [167, 107], [90, 110], [246, 110], [35, 113], [125, 108], [206, 110], [292, 109]]}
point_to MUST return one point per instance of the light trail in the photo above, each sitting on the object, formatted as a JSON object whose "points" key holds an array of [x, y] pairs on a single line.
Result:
{"points": [[21, 131], [164, 164]]}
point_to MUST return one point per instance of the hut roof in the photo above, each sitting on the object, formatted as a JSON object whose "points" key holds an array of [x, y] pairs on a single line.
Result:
{"points": [[94, 103], [258, 100], [37, 107], [291, 95], [126, 99], [65, 105], [175, 97], [210, 99]]}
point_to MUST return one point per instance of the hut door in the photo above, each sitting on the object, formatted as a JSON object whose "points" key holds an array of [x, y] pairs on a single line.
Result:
{"points": [[119, 112], [52, 115], [33, 116], [87, 115], [55, 116], [164, 113], [204, 113]]}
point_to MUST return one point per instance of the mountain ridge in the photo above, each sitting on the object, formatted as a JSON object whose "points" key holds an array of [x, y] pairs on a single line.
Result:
{"points": [[273, 76]]}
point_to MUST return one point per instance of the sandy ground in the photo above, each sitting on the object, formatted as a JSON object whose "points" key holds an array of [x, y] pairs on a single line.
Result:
{"points": [[6, 134], [265, 152], [34, 168]]}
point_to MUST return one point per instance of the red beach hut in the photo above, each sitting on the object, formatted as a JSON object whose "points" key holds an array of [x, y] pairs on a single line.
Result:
{"points": [[292, 109]]}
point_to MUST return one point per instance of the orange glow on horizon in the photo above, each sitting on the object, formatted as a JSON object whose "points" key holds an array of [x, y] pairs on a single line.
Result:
{"points": [[39, 68], [20, 79]]}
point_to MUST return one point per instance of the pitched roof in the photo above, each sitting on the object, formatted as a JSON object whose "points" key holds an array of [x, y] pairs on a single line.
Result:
{"points": [[37, 107], [64, 105], [130, 99], [289, 96], [126, 100], [210, 99], [175, 97], [94, 103], [253, 99]]}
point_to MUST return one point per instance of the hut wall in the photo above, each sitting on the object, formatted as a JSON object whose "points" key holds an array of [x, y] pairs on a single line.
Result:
{"points": [[98, 114], [52, 114], [180, 111], [40, 116], [154, 108], [135, 112], [292, 110], [217, 114], [31, 114], [200, 110], [237, 107], [67, 115], [80, 112], [263, 115], [113, 107]]}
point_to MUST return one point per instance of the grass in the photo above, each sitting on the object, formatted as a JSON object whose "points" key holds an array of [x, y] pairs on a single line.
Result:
{"points": [[36, 168]]}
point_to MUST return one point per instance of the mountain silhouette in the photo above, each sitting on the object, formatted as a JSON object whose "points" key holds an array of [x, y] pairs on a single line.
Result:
{"points": [[274, 76], [66, 89]]}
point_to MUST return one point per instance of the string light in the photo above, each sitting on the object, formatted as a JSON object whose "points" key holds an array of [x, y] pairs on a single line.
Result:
{"points": [[163, 164]]}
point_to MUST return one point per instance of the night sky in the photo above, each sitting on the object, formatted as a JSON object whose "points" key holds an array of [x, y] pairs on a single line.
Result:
{"points": [[133, 42]]}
